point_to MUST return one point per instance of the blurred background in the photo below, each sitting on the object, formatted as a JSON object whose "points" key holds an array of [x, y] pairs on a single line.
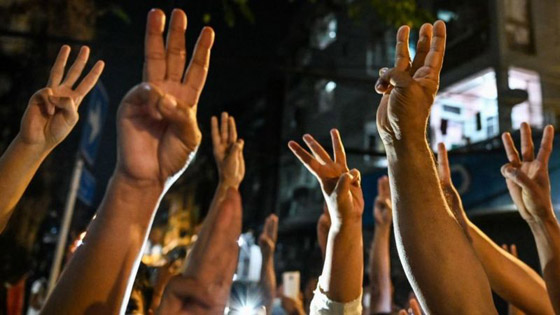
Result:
{"points": [[281, 68]]}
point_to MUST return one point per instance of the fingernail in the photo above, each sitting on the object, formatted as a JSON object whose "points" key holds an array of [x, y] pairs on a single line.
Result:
{"points": [[307, 137], [382, 71], [169, 101]]}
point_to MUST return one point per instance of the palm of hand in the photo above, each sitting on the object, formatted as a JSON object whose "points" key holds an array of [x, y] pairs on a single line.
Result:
{"points": [[328, 175], [37, 126], [409, 88], [535, 203], [52, 112], [382, 210], [150, 147], [408, 104]]}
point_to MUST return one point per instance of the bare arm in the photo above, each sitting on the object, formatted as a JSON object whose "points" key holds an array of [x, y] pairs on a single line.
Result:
{"points": [[267, 243], [437, 256], [529, 186], [509, 277], [341, 279], [51, 114], [158, 136], [380, 259]]}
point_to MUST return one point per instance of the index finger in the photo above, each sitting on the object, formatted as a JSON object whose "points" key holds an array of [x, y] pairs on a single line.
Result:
{"points": [[443, 164], [196, 74], [154, 51], [511, 151], [402, 54], [57, 70], [216, 139], [305, 157], [434, 59]]}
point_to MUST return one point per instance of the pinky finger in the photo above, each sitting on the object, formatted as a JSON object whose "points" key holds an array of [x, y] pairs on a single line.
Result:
{"points": [[90, 80]]}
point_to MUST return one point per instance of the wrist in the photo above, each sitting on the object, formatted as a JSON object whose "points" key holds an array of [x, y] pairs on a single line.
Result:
{"points": [[547, 223], [383, 228], [40, 150], [147, 187], [226, 182]]}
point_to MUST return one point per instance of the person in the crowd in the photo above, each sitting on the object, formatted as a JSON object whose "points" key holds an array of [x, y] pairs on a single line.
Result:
{"points": [[157, 137], [339, 290], [512, 249], [267, 244], [381, 301], [413, 309], [528, 183], [204, 286], [52, 112], [292, 306], [437, 257], [509, 277]]}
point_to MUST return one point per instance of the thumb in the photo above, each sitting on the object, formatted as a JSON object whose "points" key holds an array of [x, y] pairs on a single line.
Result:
{"points": [[343, 184], [519, 177], [396, 78], [67, 105]]}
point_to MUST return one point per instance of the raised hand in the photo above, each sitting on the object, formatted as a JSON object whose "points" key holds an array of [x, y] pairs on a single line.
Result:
{"points": [[205, 285], [449, 191], [413, 309], [52, 112], [409, 88], [228, 151], [382, 207], [341, 187], [527, 180], [157, 126], [512, 249], [267, 243], [341, 279], [269, 235]]}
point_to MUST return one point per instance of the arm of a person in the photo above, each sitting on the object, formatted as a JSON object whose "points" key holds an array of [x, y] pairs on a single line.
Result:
{"points": [[157, 137], [204, 287], [436, 255], [380, 259], [529, 186], [509, 277], [341, 278], [51, 114], [547, 237], [267, 243], [110, 252]]}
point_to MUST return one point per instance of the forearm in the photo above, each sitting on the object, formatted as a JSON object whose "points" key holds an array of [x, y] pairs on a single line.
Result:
{"points": [[509, 277], [18, 165], [380, 273], [99, 276], [547, 238], [437, 257], [268, 282], [341, 278]]}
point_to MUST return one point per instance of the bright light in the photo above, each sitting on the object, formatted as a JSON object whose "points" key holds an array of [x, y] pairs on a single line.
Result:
{"points": [[332, 34], [240, 241], [246, 310], [330, 86]]}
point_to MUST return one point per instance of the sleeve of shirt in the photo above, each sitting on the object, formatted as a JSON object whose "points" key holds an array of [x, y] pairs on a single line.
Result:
{"points": [[322, 305]]}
